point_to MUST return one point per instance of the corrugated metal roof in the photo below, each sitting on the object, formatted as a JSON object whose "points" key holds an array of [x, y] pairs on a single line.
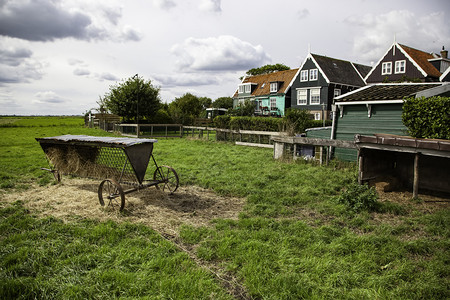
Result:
{"points": [[112, 141]]}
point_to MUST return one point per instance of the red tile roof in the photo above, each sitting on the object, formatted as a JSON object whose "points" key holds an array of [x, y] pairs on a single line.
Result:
{"points": [[421, 58]]}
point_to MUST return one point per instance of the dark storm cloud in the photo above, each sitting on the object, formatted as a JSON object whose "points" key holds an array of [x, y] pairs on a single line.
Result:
{"points": [[38, 20], [47, 20]]}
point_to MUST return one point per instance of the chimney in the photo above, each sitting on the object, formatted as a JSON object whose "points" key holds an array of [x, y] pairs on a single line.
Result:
{"points": [[444, 53]]}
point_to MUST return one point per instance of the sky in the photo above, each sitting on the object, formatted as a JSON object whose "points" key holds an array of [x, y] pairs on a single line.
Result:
{"points": [[58, 57]]}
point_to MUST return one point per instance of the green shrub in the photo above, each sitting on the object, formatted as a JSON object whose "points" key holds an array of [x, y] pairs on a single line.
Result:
{"points": [[427, 117], [222, 121], [359, 197]]}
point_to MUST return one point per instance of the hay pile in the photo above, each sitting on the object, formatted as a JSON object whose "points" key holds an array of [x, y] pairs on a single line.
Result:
{"points": [[84, 162], [76, 197]]}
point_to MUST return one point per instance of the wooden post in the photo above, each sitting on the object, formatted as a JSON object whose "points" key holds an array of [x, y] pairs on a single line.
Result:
{"points": [[294, 157], [137, 130], [321, 155], [360, 166], [416, 176]]}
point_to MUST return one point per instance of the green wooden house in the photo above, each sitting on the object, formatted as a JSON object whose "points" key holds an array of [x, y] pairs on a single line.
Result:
{"points": [[375, 109], [270, 92]]}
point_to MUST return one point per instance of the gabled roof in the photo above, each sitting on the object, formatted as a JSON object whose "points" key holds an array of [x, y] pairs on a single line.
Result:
{"points": [[421, 58], [339, 71], [262, 82], [416, 57], [388, 92]]}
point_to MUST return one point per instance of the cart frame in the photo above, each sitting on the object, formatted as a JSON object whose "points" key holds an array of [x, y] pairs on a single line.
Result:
{"points": [[118, 161]]}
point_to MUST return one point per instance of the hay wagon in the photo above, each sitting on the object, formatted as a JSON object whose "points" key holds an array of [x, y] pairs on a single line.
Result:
{"points": [[115, 161]]}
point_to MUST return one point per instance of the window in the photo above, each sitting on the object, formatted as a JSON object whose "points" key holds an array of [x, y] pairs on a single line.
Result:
{"points": [[304, 75], [313, 74], [241, 89], [400, 66], [317, 116], [337, 92], [314, 96], [258, 104], [248, 88], [273, 104], [302, 96], [274, 87], [386, 68]]}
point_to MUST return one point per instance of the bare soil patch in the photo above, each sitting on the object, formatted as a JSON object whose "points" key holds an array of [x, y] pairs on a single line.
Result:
{"points": [[75, 197]]}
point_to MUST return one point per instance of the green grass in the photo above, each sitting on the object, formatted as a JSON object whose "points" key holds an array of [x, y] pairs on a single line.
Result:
{"points": [[47, 259], [293, 240]]}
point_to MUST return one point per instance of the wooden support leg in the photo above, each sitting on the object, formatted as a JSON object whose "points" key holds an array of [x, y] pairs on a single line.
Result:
{"points": [[416, 176]]}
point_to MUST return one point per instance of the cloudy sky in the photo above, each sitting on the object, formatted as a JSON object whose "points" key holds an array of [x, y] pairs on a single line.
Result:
{"points": [[57, 57]]}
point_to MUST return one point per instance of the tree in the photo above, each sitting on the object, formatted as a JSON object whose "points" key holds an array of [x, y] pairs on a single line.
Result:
{"points": [[246, 108], [267, 69], [223, 102], [133, 99], [185, 109]]}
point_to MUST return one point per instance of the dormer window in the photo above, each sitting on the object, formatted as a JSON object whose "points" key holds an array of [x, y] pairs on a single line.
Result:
{"points": [[274, 87], [245, 88], [386, 68], [400, 66]]}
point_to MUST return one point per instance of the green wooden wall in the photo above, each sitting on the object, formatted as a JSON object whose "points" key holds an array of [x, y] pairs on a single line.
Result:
{"points": [[385, 118]]}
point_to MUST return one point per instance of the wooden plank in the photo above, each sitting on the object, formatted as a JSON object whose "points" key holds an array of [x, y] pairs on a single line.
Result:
{"points": [[254, 145], [315, 142]]}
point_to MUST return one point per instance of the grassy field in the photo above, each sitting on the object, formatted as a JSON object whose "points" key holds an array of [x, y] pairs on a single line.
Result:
{"points": [[292, 240]]}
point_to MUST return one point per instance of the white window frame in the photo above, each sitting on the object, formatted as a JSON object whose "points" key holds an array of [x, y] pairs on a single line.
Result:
{"points": [[273, 103], [313, 74], [304, 75], [400, 66], [241, 89], [317, 116], [316, 94], [386, 68], [248, 88], [337, 92], [274, 87], [303, 97]]}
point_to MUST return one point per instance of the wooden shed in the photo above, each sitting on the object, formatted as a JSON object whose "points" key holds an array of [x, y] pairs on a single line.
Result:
{"points": [[418, 164]]}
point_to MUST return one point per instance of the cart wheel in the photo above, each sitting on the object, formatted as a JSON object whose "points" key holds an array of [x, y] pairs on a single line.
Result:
{"points": [[167, 177], [111, 190]]}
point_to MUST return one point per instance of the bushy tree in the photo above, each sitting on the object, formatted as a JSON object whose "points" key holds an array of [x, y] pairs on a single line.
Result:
{"points": [[267, 69], [133, 99], [427, 117], [185, 109], [223, 102], [246, 108]]}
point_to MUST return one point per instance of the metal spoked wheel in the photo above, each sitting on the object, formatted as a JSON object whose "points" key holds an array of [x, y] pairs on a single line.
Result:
{"points": [[110, 190], [167, 177]]}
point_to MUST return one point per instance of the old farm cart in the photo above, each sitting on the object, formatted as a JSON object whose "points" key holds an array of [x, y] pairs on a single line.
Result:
{"points": [[115, 161]]}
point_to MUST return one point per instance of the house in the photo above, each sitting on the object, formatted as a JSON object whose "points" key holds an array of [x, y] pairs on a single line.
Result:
{"points": [[376, 109], [403, 63], [270, 92], [320, 79]]}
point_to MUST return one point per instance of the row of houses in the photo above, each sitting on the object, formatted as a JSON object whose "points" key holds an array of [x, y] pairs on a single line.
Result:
{"points": [[321, 81]]}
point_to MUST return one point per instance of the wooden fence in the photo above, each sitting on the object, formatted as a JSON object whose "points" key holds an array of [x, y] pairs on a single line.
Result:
{"points": [[239, 137], [150, 130]]}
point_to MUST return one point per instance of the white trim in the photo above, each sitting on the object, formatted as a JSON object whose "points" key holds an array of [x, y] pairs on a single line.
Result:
{"points": [[370, 102], [356, 70], [379, 61], [444, 74], [292, 81], [304, 71], [311, 94], [320, 69], [412, 61]]}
